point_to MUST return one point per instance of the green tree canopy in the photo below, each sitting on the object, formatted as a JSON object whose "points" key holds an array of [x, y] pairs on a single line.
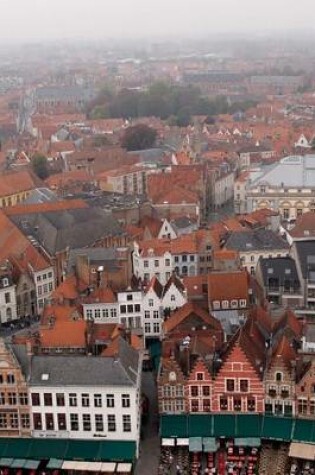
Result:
{"points": [[138, 137], [40, 166]]}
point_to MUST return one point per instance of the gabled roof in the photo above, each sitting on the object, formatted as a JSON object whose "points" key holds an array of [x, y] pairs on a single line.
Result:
{"points": [[16, 182], [156, 286], [185, 312], [69, 289], [174, 280], [285, 351], [244, 338], [289, 322]]}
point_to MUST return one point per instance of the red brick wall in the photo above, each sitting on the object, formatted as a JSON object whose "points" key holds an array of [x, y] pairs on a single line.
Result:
{"points": [[202, 398], [237, 367]]}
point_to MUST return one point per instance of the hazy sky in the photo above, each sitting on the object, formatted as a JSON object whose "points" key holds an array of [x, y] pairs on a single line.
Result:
{"points": [[34, 19]]}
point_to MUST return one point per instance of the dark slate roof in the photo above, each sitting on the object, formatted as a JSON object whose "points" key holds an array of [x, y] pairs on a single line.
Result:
{"points": [[306, 254], [255, 240], [20, 352], [86, 370], [183, 222], [281, 268], [75, 228]]}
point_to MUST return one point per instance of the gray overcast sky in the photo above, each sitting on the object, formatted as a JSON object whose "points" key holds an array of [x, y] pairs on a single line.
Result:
{"points": [[34, 19]]}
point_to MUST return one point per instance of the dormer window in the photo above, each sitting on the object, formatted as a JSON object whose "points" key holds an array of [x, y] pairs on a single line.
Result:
{"points": [[279, 377], [172, 376], [199, 376], [5, 282]]}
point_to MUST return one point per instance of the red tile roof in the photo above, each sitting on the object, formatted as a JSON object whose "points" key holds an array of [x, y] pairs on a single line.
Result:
{"points": [[184, 312], [228, 285], [12, 183], [45, 207]]}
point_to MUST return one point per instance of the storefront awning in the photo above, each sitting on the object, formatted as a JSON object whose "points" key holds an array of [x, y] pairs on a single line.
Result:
{"points": [[182, 442], [54, 464], [124, 468], [168, 442], [17, 463], [5, 462], [31, 464], [91, 466], [247, 442], [195, 444], [302, 451], [69, 465], [209, 444], [108, 467]]}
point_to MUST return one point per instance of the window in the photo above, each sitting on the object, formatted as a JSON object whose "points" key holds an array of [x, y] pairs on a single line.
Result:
{"points": [[130, 308], [176, 259], [206, 390], [126, 423], [47, 399], [184, 258], [97, 313], [35, 399], [113, 313], [147, 314], [286, 213], [167, 262], [97, 400], [194, 405], [147, 328], [14, 421], [125, 400], [312, 406], [73, 400], [244, 385], [179, 405], [156, 327], [3, 421], [89, 313], [252, 258], [129, 297], [10, 379], [7, 297], [156, 314], [302, 406], [99, 424], [137, 307], [2, 399], [156, 263], [39, 290], [37, 421], [23, 398], [38, 278], [111, 423], [237, 404], [25, 421], [74, 422], [278, 377], [86, 422], [179, 391], [206, 405], [12, 399], [110, 401], [223, 403], [251, 404], [49, 421], [192, 258], [1, 378], [199, 376], [151, 303], [123, 309], [194, 391], [61, 419], [50, 275], [173, 298], [230, 385], [85, 400], [145, 263], [60, 399]]}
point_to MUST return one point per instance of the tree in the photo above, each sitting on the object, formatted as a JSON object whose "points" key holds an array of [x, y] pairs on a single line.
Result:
{"points": [[138, 137], [40, 166], [184, 117]]}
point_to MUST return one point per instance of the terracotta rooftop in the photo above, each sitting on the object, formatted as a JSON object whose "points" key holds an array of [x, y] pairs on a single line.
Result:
{"points": [[228, 285], [184, 312], [45, 207], [12, 183]]}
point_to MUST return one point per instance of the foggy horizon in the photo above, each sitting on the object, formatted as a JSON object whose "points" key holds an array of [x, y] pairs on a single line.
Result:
{"points": [[50, 20]]}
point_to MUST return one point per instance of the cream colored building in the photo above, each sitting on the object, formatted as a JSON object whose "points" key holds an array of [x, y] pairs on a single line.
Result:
{"points": [[287, 187]]}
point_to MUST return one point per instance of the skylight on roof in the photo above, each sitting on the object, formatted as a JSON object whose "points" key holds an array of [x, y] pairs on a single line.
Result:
{"points": [[287, 271], [270, 270], [45, 377]]}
